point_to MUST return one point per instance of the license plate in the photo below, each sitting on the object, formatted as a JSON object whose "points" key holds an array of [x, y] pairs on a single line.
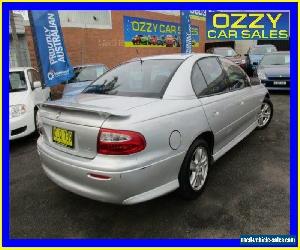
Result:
{"points": [[279, 83], [63, 137]]}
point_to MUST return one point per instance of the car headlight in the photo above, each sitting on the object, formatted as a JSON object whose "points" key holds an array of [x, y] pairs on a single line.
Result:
{"points": [[16, 110], [261, 75]]}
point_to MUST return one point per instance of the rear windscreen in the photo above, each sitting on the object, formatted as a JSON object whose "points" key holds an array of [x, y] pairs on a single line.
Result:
{"points": [[262, 50], [148, 78]]}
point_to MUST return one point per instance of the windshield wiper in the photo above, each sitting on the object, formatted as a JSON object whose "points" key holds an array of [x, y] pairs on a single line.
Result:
{"points": [[104, 88], [82, 81]]}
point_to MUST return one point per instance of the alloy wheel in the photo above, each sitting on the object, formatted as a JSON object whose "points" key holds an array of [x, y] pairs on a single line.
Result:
{"points": [[198, 168], [264, 115]]}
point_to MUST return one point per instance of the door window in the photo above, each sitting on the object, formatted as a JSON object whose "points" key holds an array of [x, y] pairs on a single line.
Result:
{"points": [[36, 75], [33, 76], [237, 78], [198, 81], [214, 76]]}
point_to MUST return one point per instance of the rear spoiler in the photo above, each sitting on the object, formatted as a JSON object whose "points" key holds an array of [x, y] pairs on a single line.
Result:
{"points": [[81, 107]]}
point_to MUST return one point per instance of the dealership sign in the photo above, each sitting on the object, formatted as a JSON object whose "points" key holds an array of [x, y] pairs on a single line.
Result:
{"points": [[140, 32], [198, 14], [49, 44], [247, 25]]}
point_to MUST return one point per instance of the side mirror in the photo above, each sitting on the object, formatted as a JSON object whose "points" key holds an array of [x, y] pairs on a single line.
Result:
{"points": [[255, 63], [37, 84]]}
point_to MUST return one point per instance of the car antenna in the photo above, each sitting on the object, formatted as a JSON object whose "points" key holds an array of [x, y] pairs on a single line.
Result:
{"points": [[137, 53]]}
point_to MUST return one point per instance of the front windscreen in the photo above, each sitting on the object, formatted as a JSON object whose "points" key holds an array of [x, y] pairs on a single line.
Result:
{"points": [[276, 59], [227, 52], [139, 78], [17, 81]]}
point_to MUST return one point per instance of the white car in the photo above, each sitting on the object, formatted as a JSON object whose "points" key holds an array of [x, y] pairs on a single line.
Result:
{"points": [[25, 92]]}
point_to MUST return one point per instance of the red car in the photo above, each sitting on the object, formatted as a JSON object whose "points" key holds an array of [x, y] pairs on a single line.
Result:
{"points": [[153, 40], [170, 41], [136, 39]]}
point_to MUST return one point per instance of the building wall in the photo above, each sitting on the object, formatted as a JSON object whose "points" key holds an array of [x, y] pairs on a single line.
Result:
{"points": [[243, 46], [25, 60], [88, 45], [23, 50]]}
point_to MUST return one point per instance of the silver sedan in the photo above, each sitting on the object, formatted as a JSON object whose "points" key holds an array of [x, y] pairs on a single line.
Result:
{"points": [[150, 126]]}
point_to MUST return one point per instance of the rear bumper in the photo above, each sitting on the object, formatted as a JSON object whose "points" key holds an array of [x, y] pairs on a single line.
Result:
{"points": [[126, 187]]}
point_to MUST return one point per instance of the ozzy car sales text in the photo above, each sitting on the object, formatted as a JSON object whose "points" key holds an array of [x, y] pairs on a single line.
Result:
{"points": [[251, 25]]}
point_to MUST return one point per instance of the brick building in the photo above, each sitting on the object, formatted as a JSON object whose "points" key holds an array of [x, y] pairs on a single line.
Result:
{"points": [[98, 36]]}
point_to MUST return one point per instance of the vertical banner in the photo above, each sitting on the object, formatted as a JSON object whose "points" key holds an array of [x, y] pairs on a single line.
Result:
{"points": [[186, 31], [49, 44]]}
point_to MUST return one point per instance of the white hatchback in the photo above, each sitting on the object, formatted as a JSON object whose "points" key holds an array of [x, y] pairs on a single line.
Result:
{"points": [[25, 92]]}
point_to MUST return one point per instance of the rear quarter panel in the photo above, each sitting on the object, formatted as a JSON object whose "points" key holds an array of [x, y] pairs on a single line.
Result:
{"points": [[156, 121]]}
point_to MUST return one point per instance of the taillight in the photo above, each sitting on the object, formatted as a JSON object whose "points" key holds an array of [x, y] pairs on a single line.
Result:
{"points": [[119, 142]]}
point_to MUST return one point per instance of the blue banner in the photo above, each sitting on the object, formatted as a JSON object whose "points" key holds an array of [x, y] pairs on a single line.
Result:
{"points": [[50, 49], [186, 34], [247, 25], [141, 32]]}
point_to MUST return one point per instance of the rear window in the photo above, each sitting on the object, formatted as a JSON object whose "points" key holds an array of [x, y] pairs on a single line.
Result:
{"points": [[262, 50], [276, 59], [87, 73], [148, 78], [227, 52]]}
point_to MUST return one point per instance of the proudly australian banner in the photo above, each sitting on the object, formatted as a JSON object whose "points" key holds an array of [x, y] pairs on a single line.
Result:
{"points": [[49, 43], [141, 32]]}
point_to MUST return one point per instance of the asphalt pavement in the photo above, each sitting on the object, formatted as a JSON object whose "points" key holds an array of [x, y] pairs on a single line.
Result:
{"points": [[247, 193]]}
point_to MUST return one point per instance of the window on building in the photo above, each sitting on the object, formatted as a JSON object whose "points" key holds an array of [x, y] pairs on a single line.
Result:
{"points": [[86, 19]]}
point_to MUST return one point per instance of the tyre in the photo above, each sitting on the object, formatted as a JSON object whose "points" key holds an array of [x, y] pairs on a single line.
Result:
{"points": [[35, 120], [265, 114], [194, 170]]}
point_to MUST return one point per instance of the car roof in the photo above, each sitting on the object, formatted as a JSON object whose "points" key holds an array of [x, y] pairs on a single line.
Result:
{"points": [[16, 69], [177, 56]]}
